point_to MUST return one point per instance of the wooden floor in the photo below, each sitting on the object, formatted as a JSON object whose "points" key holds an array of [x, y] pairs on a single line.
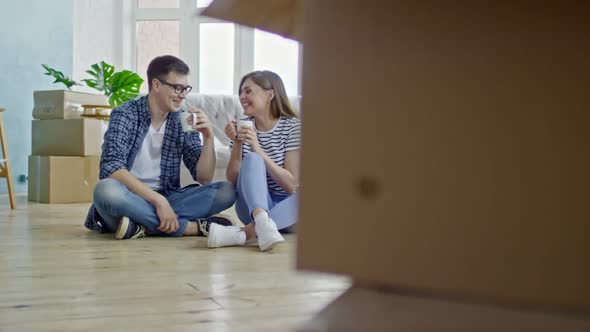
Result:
{"points": [[57, 276]]}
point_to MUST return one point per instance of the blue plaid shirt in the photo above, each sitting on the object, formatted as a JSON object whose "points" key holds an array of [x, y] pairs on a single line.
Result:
{"points": [[128, 126]]}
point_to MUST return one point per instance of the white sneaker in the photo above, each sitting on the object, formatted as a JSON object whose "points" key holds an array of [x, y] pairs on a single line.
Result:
{"points": [[225, 236], [268, 234]]}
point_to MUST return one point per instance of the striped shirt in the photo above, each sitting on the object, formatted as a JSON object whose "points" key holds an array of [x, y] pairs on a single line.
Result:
{"points": [[285, 136]]}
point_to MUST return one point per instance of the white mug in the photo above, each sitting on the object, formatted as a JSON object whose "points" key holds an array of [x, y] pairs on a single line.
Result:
{"points": [[245, 123], [186, 127]]}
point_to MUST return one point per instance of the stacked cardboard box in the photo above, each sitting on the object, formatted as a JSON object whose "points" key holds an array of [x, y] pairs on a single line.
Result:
{"points": [[64, 164]]}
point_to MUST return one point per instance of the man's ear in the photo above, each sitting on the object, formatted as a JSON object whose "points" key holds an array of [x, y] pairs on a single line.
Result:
{"points": [[156, 84]]}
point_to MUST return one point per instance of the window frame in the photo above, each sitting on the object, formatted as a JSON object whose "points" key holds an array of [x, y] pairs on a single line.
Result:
{"points": [[190, 21]]}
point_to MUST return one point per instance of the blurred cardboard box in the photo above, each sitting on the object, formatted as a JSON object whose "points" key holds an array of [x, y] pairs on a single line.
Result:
{"points": [[71, 137], [63, 104], [283, 17], [62, 179], [467, 171]]}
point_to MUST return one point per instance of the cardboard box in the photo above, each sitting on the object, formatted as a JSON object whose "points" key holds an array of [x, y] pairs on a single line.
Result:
{"points": [[72, 137], [372, 310], [445, 148], [63, 104], [283, 17], [62, 179]]}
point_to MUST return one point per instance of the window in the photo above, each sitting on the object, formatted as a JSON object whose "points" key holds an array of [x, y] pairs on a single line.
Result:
{"points": [[155, 38], [216, 58], [281, 55], [158, 3], [203, 3], [218, 53]]}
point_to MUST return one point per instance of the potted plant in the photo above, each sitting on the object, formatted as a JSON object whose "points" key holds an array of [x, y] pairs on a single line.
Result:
{"points": [[117, 86]]}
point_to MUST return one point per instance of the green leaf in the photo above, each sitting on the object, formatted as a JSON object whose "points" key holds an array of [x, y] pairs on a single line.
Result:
{"points": [[102, 72], [118, 86], [124, 86], [59, 77]]}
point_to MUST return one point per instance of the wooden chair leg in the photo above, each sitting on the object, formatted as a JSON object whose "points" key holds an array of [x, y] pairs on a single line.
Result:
{"points": [[10, 187], [5, 165]]}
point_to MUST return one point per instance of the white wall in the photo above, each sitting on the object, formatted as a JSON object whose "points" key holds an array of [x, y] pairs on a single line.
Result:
{"points": [[32, 32], [98, 36]]}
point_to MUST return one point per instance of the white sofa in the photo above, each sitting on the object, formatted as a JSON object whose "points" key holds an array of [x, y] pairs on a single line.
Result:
{"points": [[220, 109]]}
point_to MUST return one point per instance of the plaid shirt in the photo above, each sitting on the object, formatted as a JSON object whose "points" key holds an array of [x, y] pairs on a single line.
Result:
{"points": [[128, 126]]}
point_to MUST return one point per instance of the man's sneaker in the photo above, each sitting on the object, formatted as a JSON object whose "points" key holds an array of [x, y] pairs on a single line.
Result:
{"points": [[225, 236], [205, 223], [129, 230], [268, 234]]}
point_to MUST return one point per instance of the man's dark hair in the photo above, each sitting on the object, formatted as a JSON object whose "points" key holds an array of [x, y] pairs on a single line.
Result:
{"points": [[163, 65]]}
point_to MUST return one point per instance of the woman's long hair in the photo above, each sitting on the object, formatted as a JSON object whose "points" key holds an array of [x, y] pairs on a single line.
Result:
{"points": [[268, 80]]}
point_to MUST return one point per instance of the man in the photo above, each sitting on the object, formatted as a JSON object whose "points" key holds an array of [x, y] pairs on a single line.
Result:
{"points": [[139, 192]]}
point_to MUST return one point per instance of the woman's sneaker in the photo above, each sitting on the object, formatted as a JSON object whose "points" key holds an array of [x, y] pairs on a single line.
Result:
{"points": [[225, 236], [129, 230], [205, 223], [268, 234]]}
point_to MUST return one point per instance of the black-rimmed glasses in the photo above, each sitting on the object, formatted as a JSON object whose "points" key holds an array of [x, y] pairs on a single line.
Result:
{"points": [[178, 88]]}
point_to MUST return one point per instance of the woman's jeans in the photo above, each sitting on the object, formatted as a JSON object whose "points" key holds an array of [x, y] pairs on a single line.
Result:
{"points": [[253, 193]]}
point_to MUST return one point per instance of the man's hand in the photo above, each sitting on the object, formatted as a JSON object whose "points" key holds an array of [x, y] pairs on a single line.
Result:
{"points": [[168, 219], [203, 124]]}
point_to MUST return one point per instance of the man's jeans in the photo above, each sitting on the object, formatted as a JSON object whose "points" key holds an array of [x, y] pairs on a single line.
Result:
{"points": [[113, 200]]}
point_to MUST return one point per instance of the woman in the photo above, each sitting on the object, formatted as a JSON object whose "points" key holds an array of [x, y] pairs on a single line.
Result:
{"points": [[263, 165]]}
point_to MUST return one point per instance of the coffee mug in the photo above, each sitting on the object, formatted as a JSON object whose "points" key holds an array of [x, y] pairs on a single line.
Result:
{"points": [[245, 123], [184, 116]]}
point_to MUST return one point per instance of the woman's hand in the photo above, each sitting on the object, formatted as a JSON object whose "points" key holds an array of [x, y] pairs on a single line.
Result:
{"points": [[230, 130], [248, 135]]}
